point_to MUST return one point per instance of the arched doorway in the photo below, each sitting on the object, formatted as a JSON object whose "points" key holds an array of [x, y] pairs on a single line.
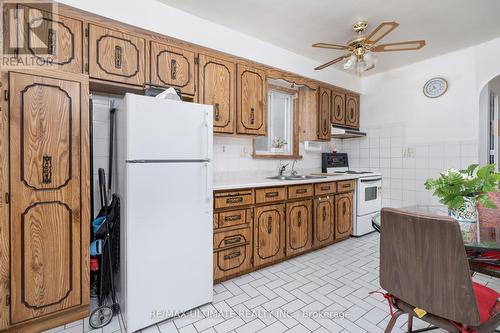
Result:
{"points": [[489, 124]]}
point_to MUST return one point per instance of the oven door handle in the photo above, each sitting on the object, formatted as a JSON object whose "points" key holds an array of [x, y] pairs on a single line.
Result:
{"points": [[370, 180]]}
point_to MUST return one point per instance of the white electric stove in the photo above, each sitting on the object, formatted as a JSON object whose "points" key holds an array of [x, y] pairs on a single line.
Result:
{"points": [[368, 192]]}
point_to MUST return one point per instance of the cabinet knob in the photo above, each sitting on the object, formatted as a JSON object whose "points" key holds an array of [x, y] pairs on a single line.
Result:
{"points": [[118, 56], [252, 116], [269, 225], [216, 112]]}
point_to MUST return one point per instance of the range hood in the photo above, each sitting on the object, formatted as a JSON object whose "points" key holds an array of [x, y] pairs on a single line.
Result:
{"points": [[344, 133]]}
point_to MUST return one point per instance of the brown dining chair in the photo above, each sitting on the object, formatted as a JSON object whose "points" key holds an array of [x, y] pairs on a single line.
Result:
{"points": [[423, 265]]}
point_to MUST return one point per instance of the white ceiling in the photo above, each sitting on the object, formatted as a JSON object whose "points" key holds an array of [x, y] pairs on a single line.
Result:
{"points": [[294, 25]]}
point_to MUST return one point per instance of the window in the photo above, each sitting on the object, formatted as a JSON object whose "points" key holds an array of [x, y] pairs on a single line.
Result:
{"points": [[279, 139]]}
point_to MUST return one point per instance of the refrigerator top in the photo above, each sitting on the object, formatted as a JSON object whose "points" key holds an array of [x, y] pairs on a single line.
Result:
{"points": [[152, 129]]}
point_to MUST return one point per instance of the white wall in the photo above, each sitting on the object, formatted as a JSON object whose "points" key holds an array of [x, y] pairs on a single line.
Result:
{"points": [[158, 17]]}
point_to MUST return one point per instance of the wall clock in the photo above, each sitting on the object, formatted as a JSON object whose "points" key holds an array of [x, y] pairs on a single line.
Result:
{"points": [[435, 87]]}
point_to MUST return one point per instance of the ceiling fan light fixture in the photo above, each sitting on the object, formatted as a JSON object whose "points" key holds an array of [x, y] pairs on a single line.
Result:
{"points": [[370, 58], [350, 62]]}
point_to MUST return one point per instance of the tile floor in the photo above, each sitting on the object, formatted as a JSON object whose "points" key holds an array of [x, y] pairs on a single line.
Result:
{"points": [[322, 291]]}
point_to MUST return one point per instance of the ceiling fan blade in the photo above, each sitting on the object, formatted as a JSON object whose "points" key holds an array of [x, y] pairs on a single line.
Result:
{"points": [[334, 61], [381, 31], [331, 46], [400, 46]]}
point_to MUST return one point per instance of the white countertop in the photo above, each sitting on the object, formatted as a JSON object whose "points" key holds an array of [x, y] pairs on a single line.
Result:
{"points": [[249, 180]]}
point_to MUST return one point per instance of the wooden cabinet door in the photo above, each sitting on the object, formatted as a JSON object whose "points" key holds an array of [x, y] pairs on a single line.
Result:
{"points": [[299, 226], [352, 111], [217, 83], [172, 67], [343, 215], [116, 56], [269, 234], [338, 109], [49, 180], [49, 40], [323, 221], [325, 107], [252, 101]]}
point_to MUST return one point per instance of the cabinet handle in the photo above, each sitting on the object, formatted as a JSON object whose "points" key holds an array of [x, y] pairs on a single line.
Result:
{"points": [[173, 69], [216, 111], [325, 127], [234, 200], [232, 240], [271, 194], [232, 255], [51, 41], [232, 218], [118, 56], [325, 188], [324, 198], [299, 218], [344, 208], [301, 190], [338, 112], [47, 169], [269, 224], [252, 116], [346, 185], [324, 213]]}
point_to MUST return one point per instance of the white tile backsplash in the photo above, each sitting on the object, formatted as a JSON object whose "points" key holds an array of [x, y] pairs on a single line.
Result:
{"points": [[405, 166]]}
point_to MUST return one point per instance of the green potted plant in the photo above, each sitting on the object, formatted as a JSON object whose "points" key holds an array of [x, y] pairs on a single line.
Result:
{"points": [[461, 190]]}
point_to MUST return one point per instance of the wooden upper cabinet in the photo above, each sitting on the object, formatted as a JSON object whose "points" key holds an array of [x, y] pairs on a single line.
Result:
{"points": [[338, 108], [172, 67], [116, 56], [49, 40], [269, 234], [352, 110], [50, 216], [343, 215], [323, 220], [252, 101], [324, 110], [299, 226], [217, 86]]}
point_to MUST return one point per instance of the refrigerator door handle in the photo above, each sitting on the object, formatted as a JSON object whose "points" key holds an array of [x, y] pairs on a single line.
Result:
{"points": [[208, 182], [208, 134]]}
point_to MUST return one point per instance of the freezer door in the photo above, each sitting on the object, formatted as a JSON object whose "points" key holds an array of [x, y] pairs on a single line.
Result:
{"points": [[169, 240], [158, 129]]}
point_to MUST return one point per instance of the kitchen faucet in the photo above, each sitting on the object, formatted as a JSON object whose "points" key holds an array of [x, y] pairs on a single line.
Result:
{"points": [[282, 169], [293, 172]]}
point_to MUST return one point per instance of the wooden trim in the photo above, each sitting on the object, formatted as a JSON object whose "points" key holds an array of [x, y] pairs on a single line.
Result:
{"points": [[4, 208]]}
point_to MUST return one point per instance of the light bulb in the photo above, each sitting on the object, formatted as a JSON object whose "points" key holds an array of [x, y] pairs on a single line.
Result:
{"points": [[370, 58], [361, 66], [350, 62]]}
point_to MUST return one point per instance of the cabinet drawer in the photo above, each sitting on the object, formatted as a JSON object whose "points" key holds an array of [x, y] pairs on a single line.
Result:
{"points": [[232, 218], [345, 186], [263, 195], [232, 261], [325, 188], [232, 238], [233, 199], [300, 191]]}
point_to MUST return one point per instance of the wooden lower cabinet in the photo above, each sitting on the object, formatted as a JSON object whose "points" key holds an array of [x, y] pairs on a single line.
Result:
{"points": [[49, 192], [298, 226], [261, 226], [323, 221], [343, 215], [231, 261], [269, 234]]}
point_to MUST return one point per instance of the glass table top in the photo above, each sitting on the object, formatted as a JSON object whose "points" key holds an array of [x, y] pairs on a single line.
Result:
{"points": [[481, 237]]}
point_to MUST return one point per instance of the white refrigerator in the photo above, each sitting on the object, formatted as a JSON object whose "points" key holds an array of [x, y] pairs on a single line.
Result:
{"points": [[164, 152]]}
